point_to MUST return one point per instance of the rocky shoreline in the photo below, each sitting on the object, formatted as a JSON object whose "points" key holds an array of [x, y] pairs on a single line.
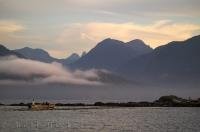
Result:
{"points": [[164, 101]]}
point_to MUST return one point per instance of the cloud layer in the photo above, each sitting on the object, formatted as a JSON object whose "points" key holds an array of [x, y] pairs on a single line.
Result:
{"points": [[67, 26], [38, 7], [18, 71], [155, 34]]}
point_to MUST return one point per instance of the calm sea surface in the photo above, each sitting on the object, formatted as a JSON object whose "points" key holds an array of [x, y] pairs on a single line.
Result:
{"points": [[82, 119]]}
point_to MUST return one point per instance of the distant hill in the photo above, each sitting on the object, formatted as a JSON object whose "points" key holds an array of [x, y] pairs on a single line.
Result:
{"points": [[6, 52], [69, 60], [174, 61], [36, 54], [110, 53], [43, 56]]}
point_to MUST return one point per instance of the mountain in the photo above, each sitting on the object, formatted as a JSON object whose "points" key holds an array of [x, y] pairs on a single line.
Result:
{"points": [[84, 53], [71, 59], [139, 47], [110, 53], [43, 56], [36, 54], [177, 60], [6, 52]]}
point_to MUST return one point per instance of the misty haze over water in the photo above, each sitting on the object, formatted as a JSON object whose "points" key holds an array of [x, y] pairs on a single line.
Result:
{"points": [[91, 94]]}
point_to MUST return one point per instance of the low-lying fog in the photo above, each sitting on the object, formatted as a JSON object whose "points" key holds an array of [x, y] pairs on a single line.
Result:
{"points": [[21, 80]]}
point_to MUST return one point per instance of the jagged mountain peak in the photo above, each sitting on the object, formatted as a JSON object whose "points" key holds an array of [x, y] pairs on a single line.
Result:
{"points": [[73, 56], [109, 54], [137, 41]]}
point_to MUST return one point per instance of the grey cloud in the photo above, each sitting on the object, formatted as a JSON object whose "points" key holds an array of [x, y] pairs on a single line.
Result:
{"points": [[22, 71], [45, 20], [52, 7]]}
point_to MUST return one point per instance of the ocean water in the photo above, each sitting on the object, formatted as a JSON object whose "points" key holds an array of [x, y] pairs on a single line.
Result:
{"points": [[100, 119], [91, 94]]}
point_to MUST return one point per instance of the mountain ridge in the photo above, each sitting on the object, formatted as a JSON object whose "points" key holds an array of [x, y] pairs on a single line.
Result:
{"points": [[177, 59], [108, 54], [4, 51], [43, 56]]}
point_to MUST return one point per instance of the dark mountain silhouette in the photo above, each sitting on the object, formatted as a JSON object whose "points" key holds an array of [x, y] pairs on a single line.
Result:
{"points": [[178, 60], [6, 52], [139, 47], [110, 53], [84, 53], [43, 56], [36, 54], [69, 60]]}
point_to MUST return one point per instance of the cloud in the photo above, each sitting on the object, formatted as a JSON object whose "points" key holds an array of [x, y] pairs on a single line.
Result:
{"points": [[155, 34], [19, 71], [36, 23], [38, 7], [16, 34], [73, 38], [10, 30], [10, 27], [148, 8]]}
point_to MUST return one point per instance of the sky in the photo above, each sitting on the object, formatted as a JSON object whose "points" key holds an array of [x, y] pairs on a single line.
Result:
{"points": [[63, 27]]}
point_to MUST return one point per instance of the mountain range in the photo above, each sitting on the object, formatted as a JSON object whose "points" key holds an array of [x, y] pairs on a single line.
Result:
{"points": [[43, 56], [110, 54], [6, 52], [177, 60]]}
